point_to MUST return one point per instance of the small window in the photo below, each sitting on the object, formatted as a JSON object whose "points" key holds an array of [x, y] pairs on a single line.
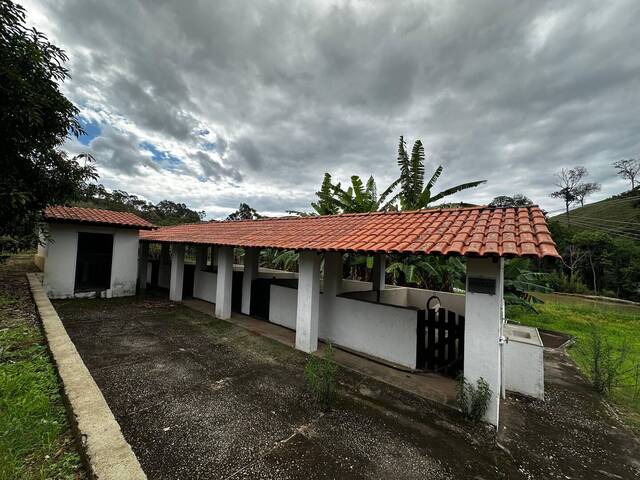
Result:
{"points": [[93, 263]]}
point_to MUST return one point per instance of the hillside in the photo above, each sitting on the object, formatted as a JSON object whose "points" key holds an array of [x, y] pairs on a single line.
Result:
{"points": [[618, 215]]}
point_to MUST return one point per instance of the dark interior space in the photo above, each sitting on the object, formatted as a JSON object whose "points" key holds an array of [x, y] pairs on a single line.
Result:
{"points": [[93, 263]]}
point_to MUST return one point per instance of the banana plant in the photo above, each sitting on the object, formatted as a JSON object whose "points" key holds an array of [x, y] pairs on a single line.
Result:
{"points": [[414, 193]]}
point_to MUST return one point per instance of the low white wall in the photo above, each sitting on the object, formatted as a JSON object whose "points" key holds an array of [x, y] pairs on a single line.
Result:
{"points": [[283, 305], [524, 361], [384, 331], [204, 285], [62, 251]]}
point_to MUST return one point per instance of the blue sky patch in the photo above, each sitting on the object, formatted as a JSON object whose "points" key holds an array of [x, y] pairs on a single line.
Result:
{"points": [[92, 130], [164, 158], [209, 146]]}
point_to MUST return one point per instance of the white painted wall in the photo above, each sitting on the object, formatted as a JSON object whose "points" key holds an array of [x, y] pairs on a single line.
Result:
{"points": [[204, 285], [386, 332], [62, 250], [524, 361]]}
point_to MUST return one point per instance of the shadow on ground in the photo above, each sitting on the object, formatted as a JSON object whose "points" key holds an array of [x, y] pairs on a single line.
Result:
{"points": [[200, 398]]}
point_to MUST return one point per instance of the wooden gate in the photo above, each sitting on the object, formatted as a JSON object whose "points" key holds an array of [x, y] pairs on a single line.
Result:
{"points": [[440, 341]]}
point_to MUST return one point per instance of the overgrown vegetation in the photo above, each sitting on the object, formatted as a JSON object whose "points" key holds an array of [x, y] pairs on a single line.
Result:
{"points": [[320, 377], [605, 360], [473, 399], [607, 343], [35, 441]]}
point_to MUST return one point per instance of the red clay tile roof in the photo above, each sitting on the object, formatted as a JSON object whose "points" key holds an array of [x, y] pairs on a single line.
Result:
{"points": [[95, 216], [478, 231]]}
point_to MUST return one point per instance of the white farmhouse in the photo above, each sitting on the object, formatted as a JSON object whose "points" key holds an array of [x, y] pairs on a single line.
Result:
{"points": [[89, 252]]}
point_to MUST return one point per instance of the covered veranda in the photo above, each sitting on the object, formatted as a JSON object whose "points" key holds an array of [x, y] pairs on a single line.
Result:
{"points": [[385, 322]]}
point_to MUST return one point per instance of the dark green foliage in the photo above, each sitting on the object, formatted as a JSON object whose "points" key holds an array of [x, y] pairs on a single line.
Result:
{"points": [[35, 119], [164, 212], [320, 376], [518, 200], [244, 212], [520, 281], [600, 260], [473, 400], [431, 272]]}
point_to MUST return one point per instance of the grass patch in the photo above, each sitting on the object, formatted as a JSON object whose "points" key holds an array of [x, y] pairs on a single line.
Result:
{"points": [[618, 324], [35, 441]]}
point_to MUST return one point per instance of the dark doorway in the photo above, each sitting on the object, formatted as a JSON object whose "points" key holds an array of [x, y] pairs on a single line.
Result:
{"points": [[93, 263], [187, 280], [260, 292], [236, 292]]}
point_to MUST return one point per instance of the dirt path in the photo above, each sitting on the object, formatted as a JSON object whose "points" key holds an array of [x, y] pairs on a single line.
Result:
{"points": [[572, 434]]}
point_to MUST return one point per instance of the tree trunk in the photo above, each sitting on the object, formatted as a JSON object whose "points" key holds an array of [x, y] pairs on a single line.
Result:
{"points": [[566, 205], [593, 272]]}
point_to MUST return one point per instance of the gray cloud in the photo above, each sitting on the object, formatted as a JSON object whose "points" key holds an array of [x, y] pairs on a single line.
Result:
{"points": [[510, 92]]}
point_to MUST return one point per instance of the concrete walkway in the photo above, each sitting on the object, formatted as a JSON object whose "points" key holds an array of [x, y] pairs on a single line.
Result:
{"points": [[107, 454], [430, 386]]}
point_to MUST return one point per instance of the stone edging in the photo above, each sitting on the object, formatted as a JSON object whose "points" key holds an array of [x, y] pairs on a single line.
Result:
{"points": [[106, 453]]}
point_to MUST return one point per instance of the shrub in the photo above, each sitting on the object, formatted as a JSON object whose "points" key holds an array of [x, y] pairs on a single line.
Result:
{"points": [[473, 400], [320, 376], [560, 282], [604, 359]]}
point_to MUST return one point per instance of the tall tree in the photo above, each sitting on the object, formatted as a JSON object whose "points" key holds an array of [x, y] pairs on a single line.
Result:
{"points": [[568, 181], [414, 193], [629, 169], [244, 212], [35, 119], [518, 200], [584, 190]]}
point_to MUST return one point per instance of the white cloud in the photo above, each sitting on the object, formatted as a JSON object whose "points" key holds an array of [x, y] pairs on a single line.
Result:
{"points": [[510, 92]]}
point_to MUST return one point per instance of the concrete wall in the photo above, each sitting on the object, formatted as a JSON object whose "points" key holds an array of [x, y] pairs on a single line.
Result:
{"points": [[62, 249], [407, 297], [384, 331], [523, 361]]}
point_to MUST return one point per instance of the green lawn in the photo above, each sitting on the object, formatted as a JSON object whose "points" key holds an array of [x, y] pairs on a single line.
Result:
{"points": [[619, 324], [35, 440]]}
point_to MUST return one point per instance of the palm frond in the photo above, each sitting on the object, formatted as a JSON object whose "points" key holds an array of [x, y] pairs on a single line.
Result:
{"points": [[456, 189]]}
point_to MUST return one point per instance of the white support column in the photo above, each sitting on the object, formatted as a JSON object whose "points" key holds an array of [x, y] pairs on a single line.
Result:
{"points": [[332, 273], [483, 328], [224, 282], [308, 301], [143, 262], [251, 257], [177, 273], [379, 270]]}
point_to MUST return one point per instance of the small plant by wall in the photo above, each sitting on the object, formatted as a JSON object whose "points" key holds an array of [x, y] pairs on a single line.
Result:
{"points": [[320, 377], [473, 400]]}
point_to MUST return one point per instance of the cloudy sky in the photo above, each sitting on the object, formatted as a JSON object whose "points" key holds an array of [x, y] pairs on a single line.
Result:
{"points": [[217, 103]]}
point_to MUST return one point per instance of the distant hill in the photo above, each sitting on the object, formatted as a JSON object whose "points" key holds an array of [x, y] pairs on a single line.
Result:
{"points": [[618, 215]]}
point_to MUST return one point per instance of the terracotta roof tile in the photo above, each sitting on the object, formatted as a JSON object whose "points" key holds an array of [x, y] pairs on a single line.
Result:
{"points": [[95, 216], [479, 231]]}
